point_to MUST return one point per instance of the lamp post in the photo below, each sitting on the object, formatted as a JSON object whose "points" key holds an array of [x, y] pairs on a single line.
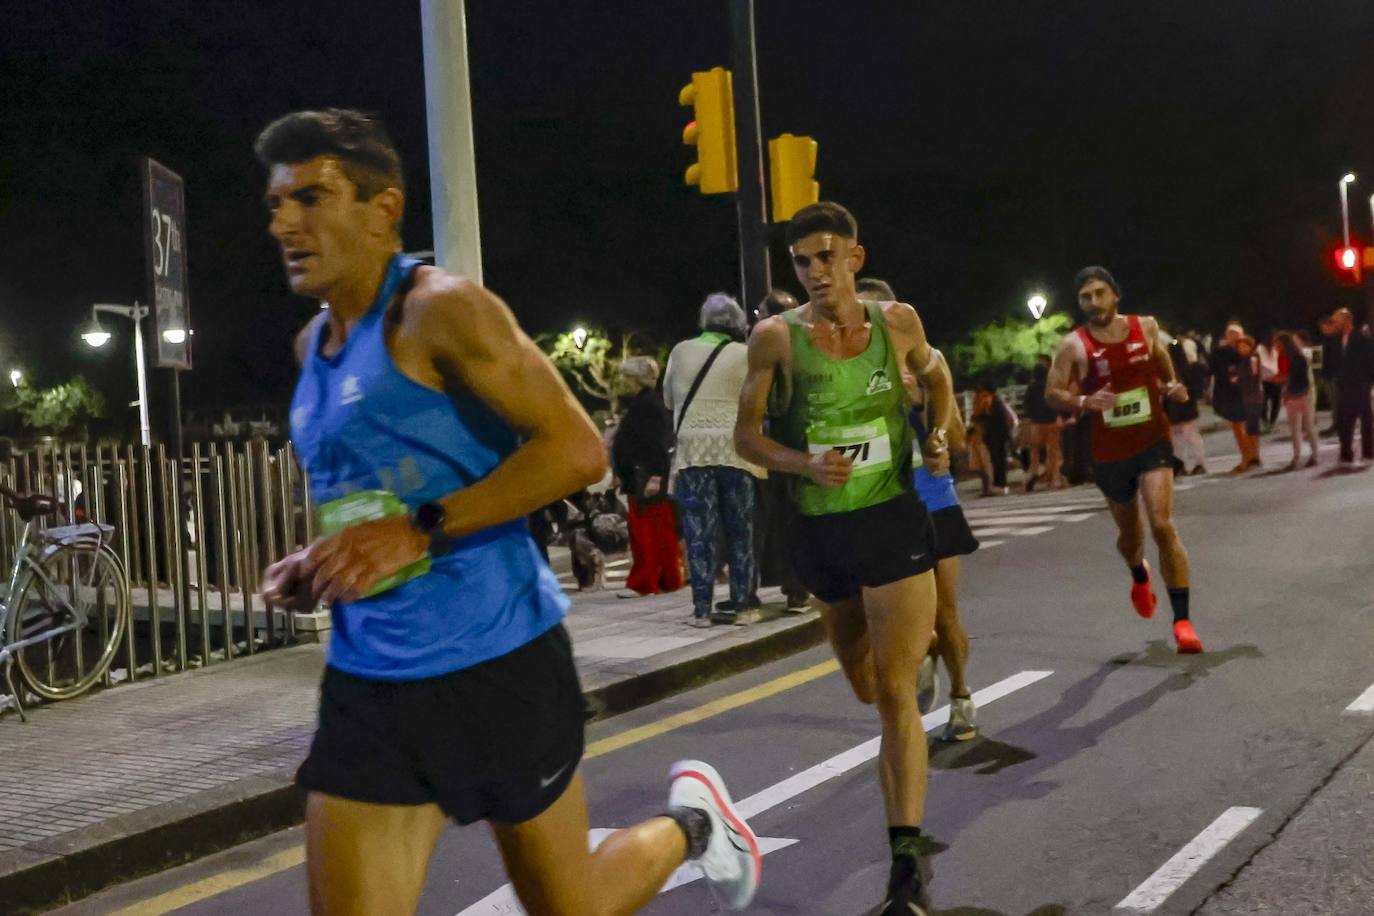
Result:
{"points": [[1037, 303], [1349, 178], [96, 336], [16, 377]]}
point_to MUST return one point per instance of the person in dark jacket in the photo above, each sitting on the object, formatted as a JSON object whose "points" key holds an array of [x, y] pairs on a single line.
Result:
{"points": [[1349, 357], [996, 423], [641, 456], [1228, 399], [1189, 450]]}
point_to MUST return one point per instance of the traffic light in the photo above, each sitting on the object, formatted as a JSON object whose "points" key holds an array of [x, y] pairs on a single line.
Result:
{"points": [[792, 173], [711, 96], [1350, 264]]}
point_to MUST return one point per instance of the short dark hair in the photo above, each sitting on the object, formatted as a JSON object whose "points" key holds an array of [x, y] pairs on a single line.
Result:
{"points": [[872, 286], [1096, 272], [358, 139], [826, 216]]}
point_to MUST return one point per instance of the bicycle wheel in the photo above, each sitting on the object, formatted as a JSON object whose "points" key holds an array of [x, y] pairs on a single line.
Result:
{"points": [[82, 578]]}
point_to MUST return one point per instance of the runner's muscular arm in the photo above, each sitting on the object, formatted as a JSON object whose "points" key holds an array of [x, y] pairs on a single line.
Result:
{"points": [[1164, 363], [767, 353], [930, 369], [474, 340], [1064, 371]]}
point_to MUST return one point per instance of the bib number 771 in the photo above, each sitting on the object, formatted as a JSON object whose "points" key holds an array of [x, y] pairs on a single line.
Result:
{"points": [[857, 453]]}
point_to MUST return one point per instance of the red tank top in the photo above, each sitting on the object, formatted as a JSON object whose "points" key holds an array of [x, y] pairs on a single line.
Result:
{"points": [[1137, 420]]}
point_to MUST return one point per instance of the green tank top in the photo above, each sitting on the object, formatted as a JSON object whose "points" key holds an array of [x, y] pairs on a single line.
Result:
{"points": [[856, 406]]}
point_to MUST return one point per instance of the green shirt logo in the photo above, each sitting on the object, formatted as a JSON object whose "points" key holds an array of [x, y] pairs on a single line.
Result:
{"points": [[879, 382]]}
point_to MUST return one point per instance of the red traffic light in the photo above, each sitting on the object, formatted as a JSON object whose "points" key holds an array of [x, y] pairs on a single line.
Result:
{"points": [[1347, 258]]}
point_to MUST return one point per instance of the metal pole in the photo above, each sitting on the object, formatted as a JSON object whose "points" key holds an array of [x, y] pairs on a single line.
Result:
{"points": [[176, 418], [755, 279], [452, 162], [142, 371], [1345, 214]]}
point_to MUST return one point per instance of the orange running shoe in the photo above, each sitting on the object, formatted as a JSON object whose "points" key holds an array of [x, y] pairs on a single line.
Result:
{"points": [[1143, 594], [1188, 643]]}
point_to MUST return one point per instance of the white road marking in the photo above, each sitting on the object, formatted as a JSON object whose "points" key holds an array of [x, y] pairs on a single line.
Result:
{"points": [[1363, 703], [1033, 529], [502, 901], [981, 532], [1189, 860], [1028, 518], [985, 544], [612, 564], [981, 511]]}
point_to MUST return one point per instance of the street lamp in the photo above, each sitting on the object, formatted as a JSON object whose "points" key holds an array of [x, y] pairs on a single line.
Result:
{"points": [[96, 336], [1037, 304], [579, 337], [16, 377], [1349, 178]]}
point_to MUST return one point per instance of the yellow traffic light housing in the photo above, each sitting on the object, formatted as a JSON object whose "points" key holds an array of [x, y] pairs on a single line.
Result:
{"points": [[711, 96], [792, 170]]}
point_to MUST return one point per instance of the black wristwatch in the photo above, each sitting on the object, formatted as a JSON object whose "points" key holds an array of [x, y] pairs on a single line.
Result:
{"points": [[428, 519]]}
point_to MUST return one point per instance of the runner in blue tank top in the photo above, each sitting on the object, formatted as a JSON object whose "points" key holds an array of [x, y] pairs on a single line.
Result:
{"points": [[953, 539], [450, 690]]}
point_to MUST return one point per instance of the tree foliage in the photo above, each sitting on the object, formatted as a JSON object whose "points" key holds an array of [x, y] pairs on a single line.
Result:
{"points": [[997, 353], [594, 367], [60, 409]]}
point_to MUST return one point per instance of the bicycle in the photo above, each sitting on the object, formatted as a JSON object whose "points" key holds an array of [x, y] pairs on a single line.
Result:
{"points": [[68, 598]]}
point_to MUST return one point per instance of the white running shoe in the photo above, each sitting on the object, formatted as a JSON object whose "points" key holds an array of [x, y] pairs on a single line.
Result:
{"points": [[732, 863], [927, 685], [963, 720]]}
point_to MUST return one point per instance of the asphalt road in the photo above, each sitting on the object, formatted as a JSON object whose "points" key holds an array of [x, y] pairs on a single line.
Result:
{"points": [[1087, 780]]}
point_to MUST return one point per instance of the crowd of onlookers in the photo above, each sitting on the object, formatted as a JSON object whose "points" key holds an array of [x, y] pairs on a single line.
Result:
{"points": [[698, 513]]}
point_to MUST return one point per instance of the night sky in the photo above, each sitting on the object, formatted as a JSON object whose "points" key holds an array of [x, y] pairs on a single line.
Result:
{"points": [[987, 149]]}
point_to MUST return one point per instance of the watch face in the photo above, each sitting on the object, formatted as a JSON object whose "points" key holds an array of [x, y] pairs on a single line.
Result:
{"points": [[429, 516]]}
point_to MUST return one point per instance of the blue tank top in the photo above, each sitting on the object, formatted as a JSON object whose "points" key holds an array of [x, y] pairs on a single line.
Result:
{"points": [[359, 424], [937, 492]]}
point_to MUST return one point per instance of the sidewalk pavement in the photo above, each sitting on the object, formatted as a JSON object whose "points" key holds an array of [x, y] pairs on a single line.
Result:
{"points": [[149, 775]]}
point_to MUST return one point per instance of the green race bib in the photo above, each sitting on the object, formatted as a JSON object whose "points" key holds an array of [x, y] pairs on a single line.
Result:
{"points": [[1131, 408], [867, 445], [368, 506]]}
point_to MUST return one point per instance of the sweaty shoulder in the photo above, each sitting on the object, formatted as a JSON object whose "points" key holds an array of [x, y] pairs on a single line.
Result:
{"points": [[769, 341], [900, 316], [438, 296]]}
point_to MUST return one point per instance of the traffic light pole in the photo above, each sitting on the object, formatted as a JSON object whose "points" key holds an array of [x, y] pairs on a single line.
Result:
{"points": [[755, 281]]}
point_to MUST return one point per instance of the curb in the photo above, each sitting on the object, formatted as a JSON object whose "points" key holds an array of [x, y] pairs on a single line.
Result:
{"points": [[65, 868]]}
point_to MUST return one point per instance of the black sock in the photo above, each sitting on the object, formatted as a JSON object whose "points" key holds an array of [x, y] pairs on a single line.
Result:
{"points": [[1178, 599], [905, 842], [695, 825], [1140, 574]]}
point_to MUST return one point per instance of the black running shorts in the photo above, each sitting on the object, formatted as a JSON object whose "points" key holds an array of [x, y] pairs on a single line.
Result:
{"points": [[838, 555], [1119, 481], [953, 536], [498, 741]]}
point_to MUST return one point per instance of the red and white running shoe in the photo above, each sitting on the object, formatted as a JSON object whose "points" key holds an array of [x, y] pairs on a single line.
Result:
{"points": [[1143, 594], [732, 862]]}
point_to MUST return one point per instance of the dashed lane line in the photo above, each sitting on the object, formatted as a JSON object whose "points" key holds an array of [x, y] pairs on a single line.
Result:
{"points": [[1185, 863]]}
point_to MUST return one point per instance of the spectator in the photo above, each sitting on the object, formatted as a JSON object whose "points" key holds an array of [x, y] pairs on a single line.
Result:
{"points": [[714, 486], [1329, 382], [775, 508], [640, 457], [1299, 399], [1226, 396], [1247, 381], [1352, 353], [996, 428], [1273, 376], [1044, 424], [1189, 451]]}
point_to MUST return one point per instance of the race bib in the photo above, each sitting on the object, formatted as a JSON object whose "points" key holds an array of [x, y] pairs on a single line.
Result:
{"points": [[867, 445], [1131, 407], [368, 506]]}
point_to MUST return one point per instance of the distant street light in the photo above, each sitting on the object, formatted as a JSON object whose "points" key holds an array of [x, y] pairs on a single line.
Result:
{"points": [[16, 377], [174, 336], [1348, 179], [96, 336], [1037, 304], [580, 337]]}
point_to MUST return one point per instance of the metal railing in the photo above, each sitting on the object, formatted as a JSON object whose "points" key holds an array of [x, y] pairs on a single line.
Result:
{"points": [[194, 540]]}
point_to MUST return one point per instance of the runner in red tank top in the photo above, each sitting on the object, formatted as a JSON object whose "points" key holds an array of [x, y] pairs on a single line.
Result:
{"points": [[1123, 372]]}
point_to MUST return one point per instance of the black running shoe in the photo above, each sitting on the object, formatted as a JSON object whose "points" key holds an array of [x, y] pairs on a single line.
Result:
{"points": [[906, 889]]}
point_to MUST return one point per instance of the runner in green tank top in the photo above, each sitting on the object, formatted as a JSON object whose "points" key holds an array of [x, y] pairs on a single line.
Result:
{"points": [[865, 546]]}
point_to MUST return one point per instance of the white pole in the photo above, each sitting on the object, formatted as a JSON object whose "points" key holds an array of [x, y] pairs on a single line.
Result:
{"points": [[138, 313], [452, 164], [1345, 213]]}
